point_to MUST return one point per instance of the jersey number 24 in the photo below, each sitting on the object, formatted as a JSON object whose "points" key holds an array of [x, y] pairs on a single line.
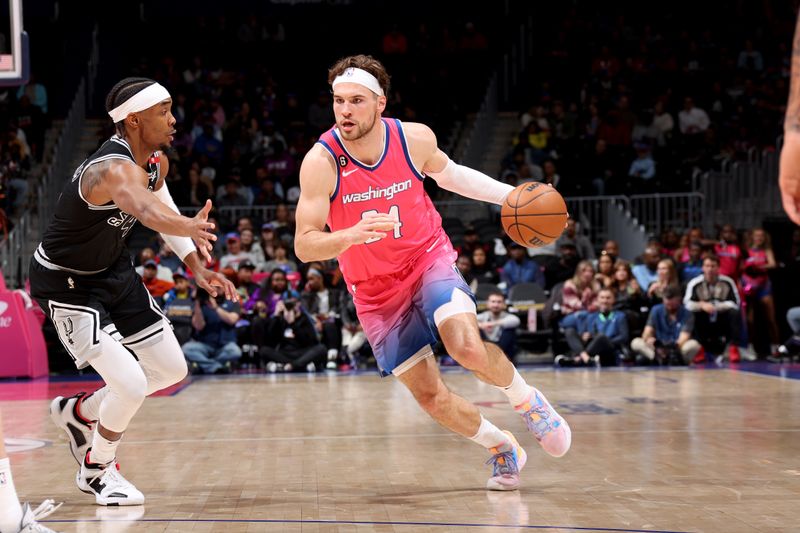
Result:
{"points": [[393, 211]]}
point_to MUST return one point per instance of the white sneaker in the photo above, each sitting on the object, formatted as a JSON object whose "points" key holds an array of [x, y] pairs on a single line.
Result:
{"points": [[331, 365], [30, 516], [272, 367], [311, 367], [107, 484], [65, 413]]}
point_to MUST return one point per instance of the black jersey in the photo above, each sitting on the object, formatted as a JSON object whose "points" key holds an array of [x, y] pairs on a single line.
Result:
{"points": [[84, 238]]}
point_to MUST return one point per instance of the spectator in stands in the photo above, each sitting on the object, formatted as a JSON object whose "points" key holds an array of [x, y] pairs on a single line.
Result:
{"points": [[280, 259], [662, 124], [693, 266], [233, 195], [199, 190], [235, 254], [499, 326], [791, 347], [714, 300], [550, 176], [642, 171], [667, 336], [580, 291], [208, 145], [520, 268], [320, 113], [756, 285], [611, 247], [581, 242], [292, 342], [472, 242], [162, 272], [666, 276], [214, 348], [692, 120], [246, 287], [464, 265], [353, 336], [750, 59], [605, 269], [274, 288], [283, 224], [155, 286], [31, 120], [729, 253], [482, 271], [179, 306], [322, 304], [36, 93], [167, 258], [558, 271], [250, 246], [598, 337], [647, 272], [600, 167]]}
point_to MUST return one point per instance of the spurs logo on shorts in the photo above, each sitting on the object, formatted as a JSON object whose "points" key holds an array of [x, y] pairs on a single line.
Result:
{"points": [[69, 327], [71, 282]]}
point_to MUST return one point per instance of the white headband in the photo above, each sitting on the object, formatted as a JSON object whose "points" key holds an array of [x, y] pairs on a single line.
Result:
{"points": [[361, 77], [148, 97]]}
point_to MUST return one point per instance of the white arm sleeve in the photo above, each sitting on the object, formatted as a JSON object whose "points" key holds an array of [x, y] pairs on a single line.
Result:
{"points": [[471, 183], [182, 246]]}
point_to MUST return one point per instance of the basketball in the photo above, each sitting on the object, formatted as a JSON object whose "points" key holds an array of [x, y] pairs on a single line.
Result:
{"points": [[534, 214]]}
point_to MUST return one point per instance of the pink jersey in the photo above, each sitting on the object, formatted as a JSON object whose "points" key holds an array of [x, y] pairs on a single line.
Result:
{"points": [[392, 186]]}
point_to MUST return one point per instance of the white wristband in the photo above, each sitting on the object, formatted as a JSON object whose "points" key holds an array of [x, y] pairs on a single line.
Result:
{"points": [[471, 183], [182, 246]]}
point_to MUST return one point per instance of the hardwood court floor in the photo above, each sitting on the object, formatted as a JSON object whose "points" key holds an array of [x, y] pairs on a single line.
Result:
{"points": [[677, 450]]}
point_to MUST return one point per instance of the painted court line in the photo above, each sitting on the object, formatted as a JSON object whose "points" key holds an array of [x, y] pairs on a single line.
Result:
{"points": [[368, 523], [443, 435]]}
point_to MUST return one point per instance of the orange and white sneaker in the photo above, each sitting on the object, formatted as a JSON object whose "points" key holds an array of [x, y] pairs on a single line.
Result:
{"points": [[506, 466], [549, 428]]}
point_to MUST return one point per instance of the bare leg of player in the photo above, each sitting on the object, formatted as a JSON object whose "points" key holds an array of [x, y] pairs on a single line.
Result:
{"points": [[14, 517], [487, 361], [460, 416]]}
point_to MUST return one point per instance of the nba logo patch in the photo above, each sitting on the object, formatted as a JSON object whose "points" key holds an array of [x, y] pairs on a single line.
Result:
{"points": [[343, 160], [3, 480]]}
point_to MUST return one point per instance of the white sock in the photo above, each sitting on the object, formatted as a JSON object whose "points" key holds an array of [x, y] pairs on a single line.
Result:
{"points": [[103, 450], [489, 436], [518, 391], [10, 509], [333, 353], [90, 406]]}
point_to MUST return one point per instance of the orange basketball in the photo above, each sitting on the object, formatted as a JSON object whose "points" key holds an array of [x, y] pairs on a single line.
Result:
{"points": [[534, 214]]}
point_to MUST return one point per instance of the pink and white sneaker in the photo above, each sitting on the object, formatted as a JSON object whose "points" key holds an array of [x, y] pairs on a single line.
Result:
{"points": [[549, 428], [506, 466]]}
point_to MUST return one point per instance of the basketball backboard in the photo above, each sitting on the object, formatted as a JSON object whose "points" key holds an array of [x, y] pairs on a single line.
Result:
{"points": [[14, 65]]}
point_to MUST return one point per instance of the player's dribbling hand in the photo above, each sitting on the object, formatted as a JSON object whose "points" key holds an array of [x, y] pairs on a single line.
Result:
{"points": [[200, 229], [372, 226], [211, 281], [789, 175]]}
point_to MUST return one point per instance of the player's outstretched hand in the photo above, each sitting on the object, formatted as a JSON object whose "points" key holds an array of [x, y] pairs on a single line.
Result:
{"points": [[211, 281], [201, 231], [789, 175], [372, 226]]}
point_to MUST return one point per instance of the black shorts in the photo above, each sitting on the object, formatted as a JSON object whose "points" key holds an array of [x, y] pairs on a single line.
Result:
{"points": [[114, 300]]}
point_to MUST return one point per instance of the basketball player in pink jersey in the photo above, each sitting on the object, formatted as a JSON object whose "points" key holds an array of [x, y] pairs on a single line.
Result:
{"points": [[363, 179]]}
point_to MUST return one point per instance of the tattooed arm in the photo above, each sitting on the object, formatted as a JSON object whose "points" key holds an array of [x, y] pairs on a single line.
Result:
{"points": [[126, 185], [789, 174]]}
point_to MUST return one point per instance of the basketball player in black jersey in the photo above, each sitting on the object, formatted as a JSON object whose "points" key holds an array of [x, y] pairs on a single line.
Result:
{"points": [[83, 277]]}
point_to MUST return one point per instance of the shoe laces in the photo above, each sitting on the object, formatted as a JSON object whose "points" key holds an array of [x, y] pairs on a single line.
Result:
{"points": [[539, 418], [503, 464], [110, 475], [45, 509]]}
